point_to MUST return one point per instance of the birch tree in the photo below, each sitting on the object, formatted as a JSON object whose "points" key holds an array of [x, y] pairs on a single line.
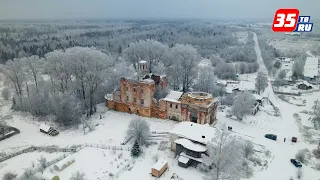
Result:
{"points": [[261, 82], [225, 157]]}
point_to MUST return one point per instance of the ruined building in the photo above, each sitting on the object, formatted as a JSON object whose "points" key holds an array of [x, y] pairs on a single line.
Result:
{"points": [[138, 97]]}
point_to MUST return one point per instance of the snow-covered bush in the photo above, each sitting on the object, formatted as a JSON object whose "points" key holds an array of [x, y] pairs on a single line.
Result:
{"points": [[9, 176], [78, 176], [303, 155], [155, 157], [43, 163], [163, 145], [28, 175], [299, 173]]}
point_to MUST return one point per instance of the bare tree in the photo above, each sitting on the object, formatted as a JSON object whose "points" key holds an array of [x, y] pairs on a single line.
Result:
{"points": [[9, 176], [243, 104], [139, 130], [225, 157], [261, 82], [78, 176]]}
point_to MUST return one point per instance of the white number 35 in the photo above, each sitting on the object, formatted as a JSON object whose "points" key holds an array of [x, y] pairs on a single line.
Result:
{"points": [[281, 19]]}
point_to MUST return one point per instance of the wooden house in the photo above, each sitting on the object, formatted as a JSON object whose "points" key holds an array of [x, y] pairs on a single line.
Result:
{"points": [[159, 168]]}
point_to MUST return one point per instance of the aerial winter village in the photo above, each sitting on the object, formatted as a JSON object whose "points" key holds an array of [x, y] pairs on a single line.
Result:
{"points": [[152, 99]]}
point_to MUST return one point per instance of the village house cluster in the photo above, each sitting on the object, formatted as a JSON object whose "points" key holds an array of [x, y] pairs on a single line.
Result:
{"points": [[138, 97]]}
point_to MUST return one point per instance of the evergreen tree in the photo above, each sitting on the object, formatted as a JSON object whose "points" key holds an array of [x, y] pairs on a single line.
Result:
{"points": [[135, 151]]}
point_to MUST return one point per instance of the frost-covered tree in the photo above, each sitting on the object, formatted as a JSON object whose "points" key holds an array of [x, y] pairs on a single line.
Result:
{"points": [[33, 65], [205, 80], [225, 157], [139, 130], [243, 104], [149, 50], [78, 176], [121, 69], [225, 71], [67, 109], [261, 82], [9, 176], [185, 58], [90, 68], [298, 68], [14, 71]]}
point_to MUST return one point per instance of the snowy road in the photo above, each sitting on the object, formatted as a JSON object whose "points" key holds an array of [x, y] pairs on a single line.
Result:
{"points": [[280, 167]]}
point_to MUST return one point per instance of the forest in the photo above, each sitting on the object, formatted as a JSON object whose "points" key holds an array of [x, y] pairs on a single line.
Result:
{"points": [[64, 69]]}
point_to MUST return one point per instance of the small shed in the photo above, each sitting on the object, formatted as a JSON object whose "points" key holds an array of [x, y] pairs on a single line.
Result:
{"points": [[183, 161], [159, 168], [64, 163]]}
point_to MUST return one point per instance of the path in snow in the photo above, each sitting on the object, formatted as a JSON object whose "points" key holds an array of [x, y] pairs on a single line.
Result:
{"points": [[280, 167]]}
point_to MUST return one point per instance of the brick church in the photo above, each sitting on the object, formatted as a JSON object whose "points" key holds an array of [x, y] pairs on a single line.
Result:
{"points": [[138, 97]]}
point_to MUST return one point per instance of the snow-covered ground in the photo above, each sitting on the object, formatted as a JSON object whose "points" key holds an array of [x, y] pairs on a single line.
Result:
{"points": [[96, 162]]}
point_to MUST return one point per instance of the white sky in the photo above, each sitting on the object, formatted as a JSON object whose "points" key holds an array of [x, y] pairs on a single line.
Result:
{"points": [[44, 9]]}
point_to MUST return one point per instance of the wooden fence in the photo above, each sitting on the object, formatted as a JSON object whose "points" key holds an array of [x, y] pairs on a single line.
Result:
{"points": [[39, 148], [103, 146]]}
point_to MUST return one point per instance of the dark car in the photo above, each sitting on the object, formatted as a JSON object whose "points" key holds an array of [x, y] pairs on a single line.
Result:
{"points": [[271, 136], [296, 163]]}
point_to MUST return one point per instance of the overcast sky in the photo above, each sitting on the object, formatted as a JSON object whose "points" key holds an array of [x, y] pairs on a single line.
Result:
{"points": [[146, 9]]}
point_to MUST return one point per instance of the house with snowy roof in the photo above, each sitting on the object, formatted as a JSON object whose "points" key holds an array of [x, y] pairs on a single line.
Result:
{"points": [[141, 97], [189, 140]]}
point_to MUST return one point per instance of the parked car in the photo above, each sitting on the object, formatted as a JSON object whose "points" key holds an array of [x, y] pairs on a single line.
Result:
{"points": [[271, 136], [296, 163]]}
